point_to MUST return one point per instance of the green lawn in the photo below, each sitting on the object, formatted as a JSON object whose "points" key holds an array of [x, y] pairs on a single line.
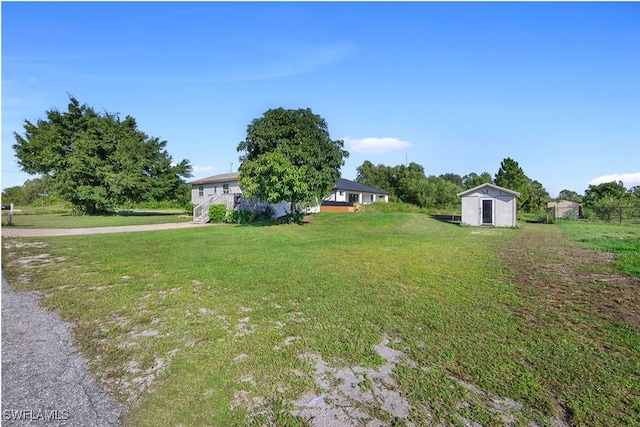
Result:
{"points": [[621, 239], [210, 326], [67, 220]]}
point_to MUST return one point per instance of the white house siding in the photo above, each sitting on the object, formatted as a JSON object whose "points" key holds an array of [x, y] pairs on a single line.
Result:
{"points": [[203, 190], [212, 189], [362, 198], [503, 206]]}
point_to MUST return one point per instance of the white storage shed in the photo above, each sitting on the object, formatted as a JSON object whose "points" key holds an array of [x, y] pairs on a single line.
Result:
{"points": [[489, 205]]}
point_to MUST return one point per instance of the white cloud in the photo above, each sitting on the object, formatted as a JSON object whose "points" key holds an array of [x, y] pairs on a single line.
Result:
{"points": [[628, 179], [376, 145]]}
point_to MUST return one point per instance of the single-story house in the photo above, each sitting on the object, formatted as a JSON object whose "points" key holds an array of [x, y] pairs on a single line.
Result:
{"points": [[225, 189], [349, 191], [489, 205], [564, 209]]}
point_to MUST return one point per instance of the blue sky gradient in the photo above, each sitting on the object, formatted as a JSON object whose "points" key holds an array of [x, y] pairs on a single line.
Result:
{"points": [[455, 87]]}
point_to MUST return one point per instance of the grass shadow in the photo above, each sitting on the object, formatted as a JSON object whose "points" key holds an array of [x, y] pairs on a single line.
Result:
{"points": [[448, 219], [142, 213]]}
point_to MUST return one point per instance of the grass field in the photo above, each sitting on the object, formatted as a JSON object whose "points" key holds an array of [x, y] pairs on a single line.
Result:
{"points": [[620, 239], [27, 219], [232, 325]]}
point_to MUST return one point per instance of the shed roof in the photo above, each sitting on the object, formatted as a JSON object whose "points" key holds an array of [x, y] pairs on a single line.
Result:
{"points": [[346, 185], [488, 184]]}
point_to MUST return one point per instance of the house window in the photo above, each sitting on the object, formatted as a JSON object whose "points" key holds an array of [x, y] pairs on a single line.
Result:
{"points": [[372, 198], [201, 191], [225, 188], [353, 198], [342, 193]]}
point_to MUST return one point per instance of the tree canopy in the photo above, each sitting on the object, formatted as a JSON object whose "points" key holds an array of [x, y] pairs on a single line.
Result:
{"points": [[473, 180], [409, 184], [511, 176], [612, 199], [570, 195], [288, 155], [98, 162]]}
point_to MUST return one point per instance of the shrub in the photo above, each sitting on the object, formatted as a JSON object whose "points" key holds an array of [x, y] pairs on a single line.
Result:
{"points": [[295, 217], [391, 207], [217, 212], [265, 213], [232, 217], [189, 207], [245, 216]]}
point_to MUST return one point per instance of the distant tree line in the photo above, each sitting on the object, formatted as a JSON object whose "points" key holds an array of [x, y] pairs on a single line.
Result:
{"points": [[612, 201], [410, 184]]}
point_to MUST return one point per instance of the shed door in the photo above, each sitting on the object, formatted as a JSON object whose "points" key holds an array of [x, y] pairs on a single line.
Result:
{"points": [[487, 211]]}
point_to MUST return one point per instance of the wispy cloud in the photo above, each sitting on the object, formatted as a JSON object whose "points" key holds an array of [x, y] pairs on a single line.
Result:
{"points": [[628, 179], [292, 61], [376, 145]]}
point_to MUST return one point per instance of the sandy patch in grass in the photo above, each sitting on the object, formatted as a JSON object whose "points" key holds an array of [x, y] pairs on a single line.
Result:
{"points": [[353, 395], [349, 396]]}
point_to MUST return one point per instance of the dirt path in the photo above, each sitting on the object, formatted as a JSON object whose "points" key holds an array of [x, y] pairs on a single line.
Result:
{"points": [[562, 275], [52, 232], [562, 281]]}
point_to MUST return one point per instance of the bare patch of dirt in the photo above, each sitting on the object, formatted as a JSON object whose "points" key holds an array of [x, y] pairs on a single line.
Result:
{"points": [[568, 278], [347, 396]]}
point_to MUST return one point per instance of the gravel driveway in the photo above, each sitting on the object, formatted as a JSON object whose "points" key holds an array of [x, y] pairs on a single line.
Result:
{"points": [[44, 380]]}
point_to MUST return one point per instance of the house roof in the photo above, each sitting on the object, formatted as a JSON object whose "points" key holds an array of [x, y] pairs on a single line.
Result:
{"points": [[489, 185], [223, 177], [342, 184], [346, 185]]}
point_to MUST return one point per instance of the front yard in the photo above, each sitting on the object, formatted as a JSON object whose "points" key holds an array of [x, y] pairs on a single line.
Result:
{"points": [[390, 317]]}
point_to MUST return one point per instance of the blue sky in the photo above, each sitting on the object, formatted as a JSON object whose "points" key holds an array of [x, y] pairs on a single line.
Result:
{"points": [[455, 87]]}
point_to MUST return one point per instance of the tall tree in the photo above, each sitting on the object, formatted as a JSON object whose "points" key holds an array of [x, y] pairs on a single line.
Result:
{"points": [[411, 184], [288, 155], [538, 197], [473, 180], [606, 190], [511, 176], [379, 176], [443, 193], [570, 195], [453, 178], [98, 161]]}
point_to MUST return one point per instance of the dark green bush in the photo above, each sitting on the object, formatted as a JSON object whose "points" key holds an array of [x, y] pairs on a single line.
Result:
{"points": [[265, 213], [217, 212]]}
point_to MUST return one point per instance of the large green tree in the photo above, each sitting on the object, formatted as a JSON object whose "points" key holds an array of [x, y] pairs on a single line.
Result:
{"points": [[453, 178], [538, 197], [606, 190], [288, 155], [98, 161], [511, 176], [570, 195], [380, 177], [473, 180], [409, 184]]}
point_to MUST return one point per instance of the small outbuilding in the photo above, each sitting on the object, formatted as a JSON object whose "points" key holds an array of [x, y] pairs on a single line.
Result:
{"points": [[564, 209], [489, 205]]}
